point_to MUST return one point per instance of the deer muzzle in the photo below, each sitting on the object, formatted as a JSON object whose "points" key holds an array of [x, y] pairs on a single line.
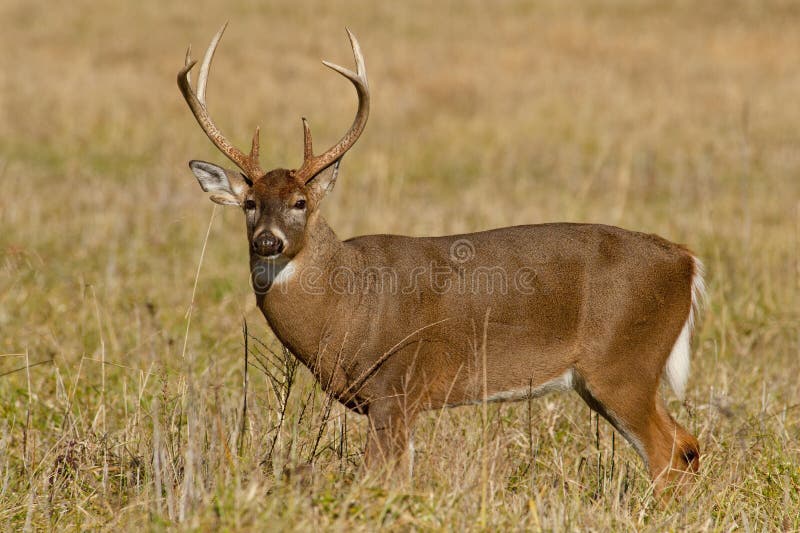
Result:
{"points": [[266, 244]]}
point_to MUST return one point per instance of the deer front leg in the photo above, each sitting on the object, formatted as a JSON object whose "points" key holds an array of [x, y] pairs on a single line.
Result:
{"points": [[388, 440]]}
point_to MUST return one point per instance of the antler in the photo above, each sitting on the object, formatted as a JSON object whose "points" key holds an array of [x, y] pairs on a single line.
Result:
{"points": [[197, 103], [312, 164]]}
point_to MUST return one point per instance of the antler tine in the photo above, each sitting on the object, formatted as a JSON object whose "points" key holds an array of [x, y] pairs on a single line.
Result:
{"points": [[205, 66], [360, 76], [254, 145], [197, 103], [312, 165], [308, 149]]}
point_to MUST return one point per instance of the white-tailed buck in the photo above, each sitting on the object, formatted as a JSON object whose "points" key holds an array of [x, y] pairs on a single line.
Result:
{"points": [[392, 326]]}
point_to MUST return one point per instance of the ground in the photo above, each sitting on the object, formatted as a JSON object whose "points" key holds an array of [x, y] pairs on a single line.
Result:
{"points": [[123, 291]]}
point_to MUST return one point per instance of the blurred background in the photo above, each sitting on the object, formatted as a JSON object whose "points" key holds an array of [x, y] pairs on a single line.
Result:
{"points": [[677, 118]]}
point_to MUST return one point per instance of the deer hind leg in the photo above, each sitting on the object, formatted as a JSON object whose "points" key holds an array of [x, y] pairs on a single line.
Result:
{"points": [[634, 408]]}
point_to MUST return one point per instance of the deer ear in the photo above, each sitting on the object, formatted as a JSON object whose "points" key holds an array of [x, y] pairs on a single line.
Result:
{"points": [[227, 187], [323, 182]]}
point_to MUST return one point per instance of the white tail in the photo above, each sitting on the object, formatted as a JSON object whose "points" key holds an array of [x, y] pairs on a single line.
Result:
{"points": [[677, 369]]}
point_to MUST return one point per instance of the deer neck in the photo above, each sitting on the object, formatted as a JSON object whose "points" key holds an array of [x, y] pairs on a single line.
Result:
{"points": [[292, 294]]}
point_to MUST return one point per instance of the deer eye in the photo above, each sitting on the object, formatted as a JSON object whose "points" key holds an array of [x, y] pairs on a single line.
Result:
{"points": [[300, 204], [249, 205]]}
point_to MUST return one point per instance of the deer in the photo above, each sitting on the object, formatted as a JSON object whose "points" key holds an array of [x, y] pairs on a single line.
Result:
{"points": [[392, 326]]}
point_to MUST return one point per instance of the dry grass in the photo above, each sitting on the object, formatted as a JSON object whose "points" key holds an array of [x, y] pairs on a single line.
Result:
{"points": [[677, 118]]}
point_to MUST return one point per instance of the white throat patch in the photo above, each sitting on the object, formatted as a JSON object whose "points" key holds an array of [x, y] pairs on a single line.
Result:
{"points": [[285, 274]]}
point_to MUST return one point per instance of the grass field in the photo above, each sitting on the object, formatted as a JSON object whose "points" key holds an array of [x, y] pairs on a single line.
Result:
{"points": [[121, 383]]}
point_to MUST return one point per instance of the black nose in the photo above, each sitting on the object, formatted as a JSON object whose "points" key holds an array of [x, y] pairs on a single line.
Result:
{"points": [[266, 244]]}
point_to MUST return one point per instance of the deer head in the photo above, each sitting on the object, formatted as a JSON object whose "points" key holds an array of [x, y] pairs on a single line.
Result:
{"points": [[278, 204]]}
